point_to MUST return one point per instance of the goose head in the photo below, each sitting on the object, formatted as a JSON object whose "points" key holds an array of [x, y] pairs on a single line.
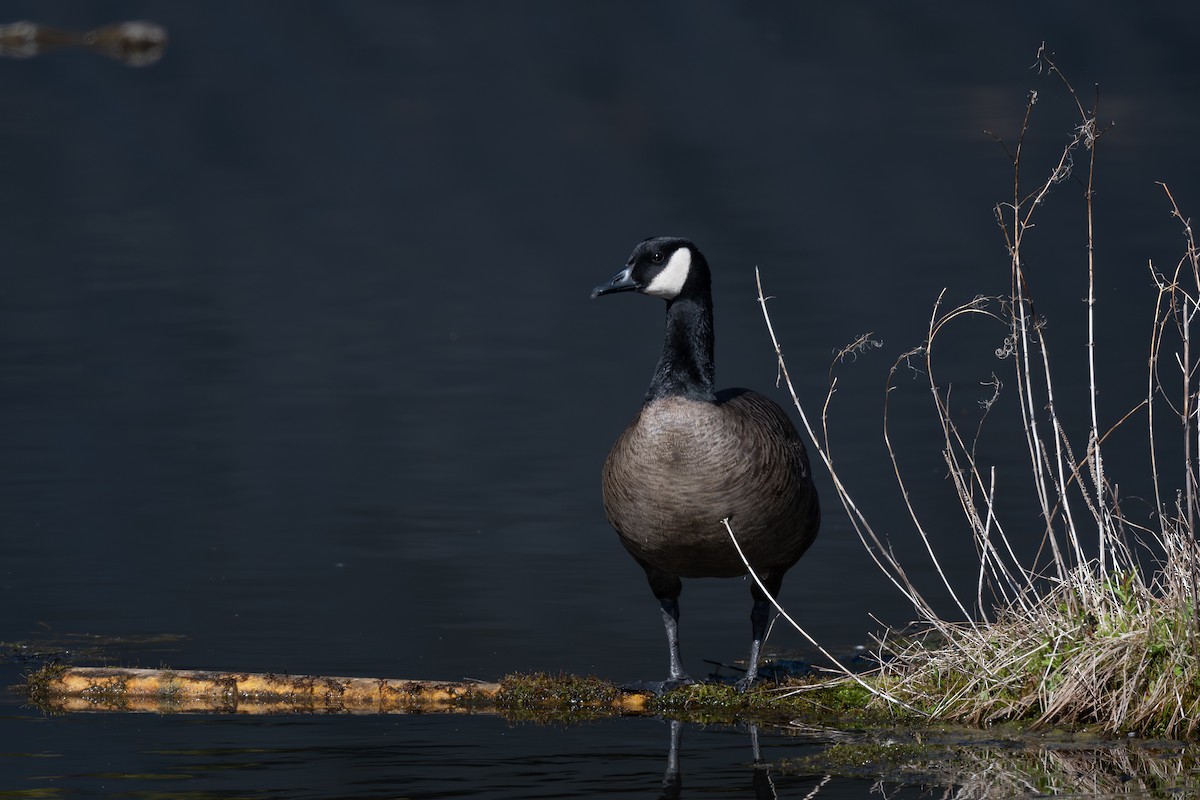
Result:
{"points": [[664, 266]]}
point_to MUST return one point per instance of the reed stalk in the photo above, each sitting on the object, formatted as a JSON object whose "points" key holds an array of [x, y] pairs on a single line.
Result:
{"points": [[1100, 626]]}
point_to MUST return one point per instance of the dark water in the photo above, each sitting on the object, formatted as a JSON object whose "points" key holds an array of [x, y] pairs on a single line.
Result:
{"points": [[297, 359], [416, 757]]}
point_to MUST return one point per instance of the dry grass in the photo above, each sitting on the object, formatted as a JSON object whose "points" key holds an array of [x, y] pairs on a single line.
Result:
{"points": [[1100, 626]]}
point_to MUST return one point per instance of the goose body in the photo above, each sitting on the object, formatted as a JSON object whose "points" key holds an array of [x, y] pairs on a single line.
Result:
{"points": [[684, 464], [693, 457]]}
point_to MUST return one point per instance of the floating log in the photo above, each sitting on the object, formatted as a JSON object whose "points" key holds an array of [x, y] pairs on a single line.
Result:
{"points": [[137, 43], [165, 691]]}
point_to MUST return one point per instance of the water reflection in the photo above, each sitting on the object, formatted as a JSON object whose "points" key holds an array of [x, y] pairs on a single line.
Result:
{"points": [[760, 771], [136, 43], [1163, 770], [415, 756], [973, 764], [433, 755]]}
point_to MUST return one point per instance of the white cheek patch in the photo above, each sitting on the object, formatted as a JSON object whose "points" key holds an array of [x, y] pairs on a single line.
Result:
{"points": [[669, 282]]}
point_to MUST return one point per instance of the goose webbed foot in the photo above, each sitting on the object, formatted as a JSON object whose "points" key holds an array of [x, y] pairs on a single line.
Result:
{"points": [[658, 687], [751, 678]]}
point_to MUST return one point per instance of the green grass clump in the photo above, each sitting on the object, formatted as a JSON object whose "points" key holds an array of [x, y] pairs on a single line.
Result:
{"points": [[542, 697], [711, 703], [555, 698], [1122, 657], [809, 700]]}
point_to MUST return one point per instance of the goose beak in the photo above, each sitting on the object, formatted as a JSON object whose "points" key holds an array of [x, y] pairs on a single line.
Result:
{"points": [[621, 282]]}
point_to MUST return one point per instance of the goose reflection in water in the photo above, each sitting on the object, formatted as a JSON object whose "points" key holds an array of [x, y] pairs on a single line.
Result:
{"points": [[672, 782]]}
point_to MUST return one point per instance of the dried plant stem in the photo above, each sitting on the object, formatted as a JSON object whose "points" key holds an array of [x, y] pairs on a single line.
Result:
{"points": [[1095, 628], [783, 612], [878, 551]]}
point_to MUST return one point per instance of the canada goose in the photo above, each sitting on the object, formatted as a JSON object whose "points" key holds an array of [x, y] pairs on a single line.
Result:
{"points": [[694, 456]]}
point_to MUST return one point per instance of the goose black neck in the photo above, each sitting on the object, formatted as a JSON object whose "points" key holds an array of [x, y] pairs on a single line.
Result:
{"points": [[686, 368]]}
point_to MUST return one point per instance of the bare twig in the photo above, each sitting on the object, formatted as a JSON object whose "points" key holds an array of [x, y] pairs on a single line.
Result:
{"points": [[782, 612]]}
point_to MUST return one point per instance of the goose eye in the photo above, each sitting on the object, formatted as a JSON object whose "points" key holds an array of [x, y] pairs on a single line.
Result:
{"points": [[656, 257]]}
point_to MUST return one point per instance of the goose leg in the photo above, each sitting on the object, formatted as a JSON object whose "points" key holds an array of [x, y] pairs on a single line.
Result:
{"points": [[667, 589], [670, 613], [760, 615]]}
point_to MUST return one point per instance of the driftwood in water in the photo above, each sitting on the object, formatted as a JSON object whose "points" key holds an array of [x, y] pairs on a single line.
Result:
{"points": [[176, 691], [137, 43]]}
